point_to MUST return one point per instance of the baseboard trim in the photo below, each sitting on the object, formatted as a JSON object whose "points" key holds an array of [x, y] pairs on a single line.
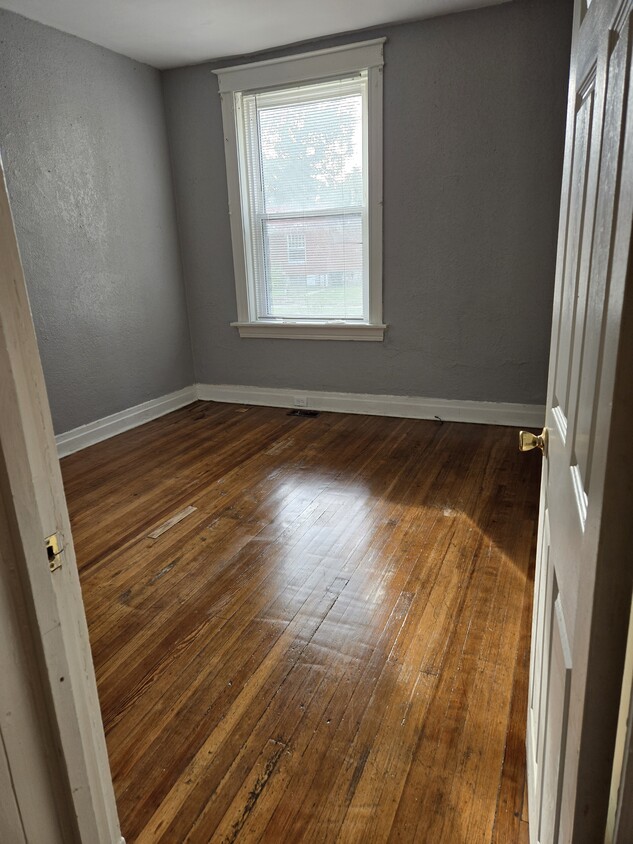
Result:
{"points": [[110, 426], [409, 407]]}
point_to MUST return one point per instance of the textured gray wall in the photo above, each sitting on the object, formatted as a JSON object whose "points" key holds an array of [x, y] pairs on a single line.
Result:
{"points": [[84, 145], [474, 113]]}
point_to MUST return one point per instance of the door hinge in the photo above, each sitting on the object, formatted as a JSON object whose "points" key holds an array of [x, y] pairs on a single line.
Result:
{"points": [[54, 551]]}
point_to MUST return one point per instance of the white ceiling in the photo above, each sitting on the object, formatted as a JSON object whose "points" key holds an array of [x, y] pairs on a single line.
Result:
{"points": [[168, 33]]}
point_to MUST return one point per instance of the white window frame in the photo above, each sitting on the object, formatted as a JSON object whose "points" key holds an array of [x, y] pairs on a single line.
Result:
{"points": [[287, 71]]}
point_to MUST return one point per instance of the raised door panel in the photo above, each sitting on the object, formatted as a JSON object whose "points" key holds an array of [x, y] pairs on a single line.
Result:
{"points": [[556, 715], [588, 340]]}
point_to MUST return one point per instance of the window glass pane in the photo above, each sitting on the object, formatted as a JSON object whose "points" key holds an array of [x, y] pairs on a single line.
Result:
{"points": [[306, 194], [314, 267], [312, 154]]}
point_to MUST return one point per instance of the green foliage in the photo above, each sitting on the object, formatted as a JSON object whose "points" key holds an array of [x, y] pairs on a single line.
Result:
{"points": [[312, 154]]}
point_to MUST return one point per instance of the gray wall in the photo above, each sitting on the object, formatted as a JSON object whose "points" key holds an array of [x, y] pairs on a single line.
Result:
{"points": [[84, 145], [474, 113]]}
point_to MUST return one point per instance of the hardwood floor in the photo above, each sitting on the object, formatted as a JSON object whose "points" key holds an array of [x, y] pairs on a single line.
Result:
{"points": [[333, 646]]}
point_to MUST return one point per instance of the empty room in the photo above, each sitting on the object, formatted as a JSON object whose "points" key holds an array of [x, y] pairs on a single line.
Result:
{"points": [[316, 367]]}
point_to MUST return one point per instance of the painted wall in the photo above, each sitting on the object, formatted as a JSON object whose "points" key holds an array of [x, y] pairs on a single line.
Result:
{"points": [[474, 114], [84, 146]]}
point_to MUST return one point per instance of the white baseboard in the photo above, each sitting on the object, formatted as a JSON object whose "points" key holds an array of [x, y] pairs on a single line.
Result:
{"points": [[109, 426], [410, 407]]}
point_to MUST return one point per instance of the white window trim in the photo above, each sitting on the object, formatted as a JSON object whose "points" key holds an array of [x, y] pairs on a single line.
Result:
{"points": [[289, 70]]}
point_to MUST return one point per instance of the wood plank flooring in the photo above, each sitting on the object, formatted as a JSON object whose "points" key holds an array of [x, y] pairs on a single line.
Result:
{"points": [[332, 647]]}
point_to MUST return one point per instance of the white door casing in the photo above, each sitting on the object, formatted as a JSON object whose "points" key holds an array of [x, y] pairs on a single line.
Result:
{"points": [[583, 577], [52, 652]]}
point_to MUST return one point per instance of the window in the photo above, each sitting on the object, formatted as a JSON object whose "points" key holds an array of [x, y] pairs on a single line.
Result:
{"points": [[304, 166], [296, 242]]}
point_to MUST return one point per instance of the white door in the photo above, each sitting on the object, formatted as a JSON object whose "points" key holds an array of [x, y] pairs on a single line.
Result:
{"points": [[583, 578], [55, 783]]}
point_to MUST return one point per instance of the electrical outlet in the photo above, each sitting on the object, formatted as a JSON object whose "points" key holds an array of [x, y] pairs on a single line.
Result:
{"points": [[300, 401]]}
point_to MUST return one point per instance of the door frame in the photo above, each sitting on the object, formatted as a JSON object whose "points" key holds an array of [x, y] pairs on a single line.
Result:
{"points": [[620, 819], [49, 604]]}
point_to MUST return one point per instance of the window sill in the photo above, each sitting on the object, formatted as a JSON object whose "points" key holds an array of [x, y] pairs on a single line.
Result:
{"points": [[312, 330]]}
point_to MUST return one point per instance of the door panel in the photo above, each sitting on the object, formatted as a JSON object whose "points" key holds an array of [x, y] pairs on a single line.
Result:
{"points": [[539, 656], [559, 685], [575, 217], [589, 335]]}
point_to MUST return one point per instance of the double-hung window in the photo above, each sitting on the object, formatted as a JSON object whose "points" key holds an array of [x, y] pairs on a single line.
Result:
{"points": [[304, 165]]}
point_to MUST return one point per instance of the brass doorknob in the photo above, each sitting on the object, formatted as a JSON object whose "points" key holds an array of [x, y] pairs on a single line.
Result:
{"points": [[528, 440]]}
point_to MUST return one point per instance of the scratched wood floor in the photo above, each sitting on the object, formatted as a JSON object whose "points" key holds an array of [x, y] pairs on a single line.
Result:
{"points": [[332, 647]]}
